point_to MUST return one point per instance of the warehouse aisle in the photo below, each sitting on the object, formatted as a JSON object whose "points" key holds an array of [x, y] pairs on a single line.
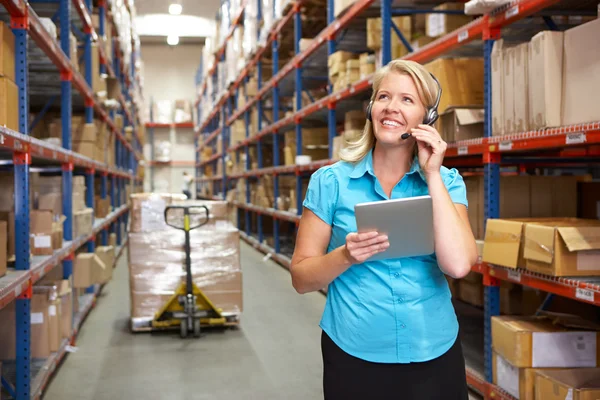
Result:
{"points": [[274, 355]]}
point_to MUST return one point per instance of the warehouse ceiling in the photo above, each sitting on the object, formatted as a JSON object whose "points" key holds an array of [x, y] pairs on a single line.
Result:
{"points": [[196, 22]]}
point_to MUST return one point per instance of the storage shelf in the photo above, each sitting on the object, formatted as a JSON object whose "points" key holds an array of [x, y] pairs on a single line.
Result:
{"points": [[170, 125], [219, 53], [213, 158], [283, 169], [172, 163], [584, 289], [51, 364], [15, 282], [212, 136], [281, 259], [39, 149], [244, 73], [53, 51], [561, 137], [271, 212]]}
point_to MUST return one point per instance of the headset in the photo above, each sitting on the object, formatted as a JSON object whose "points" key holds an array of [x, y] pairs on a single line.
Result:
{"points": [[432, 112]]}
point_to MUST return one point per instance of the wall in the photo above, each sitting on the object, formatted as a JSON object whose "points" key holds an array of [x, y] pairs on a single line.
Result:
{"points": [[169, 73]]}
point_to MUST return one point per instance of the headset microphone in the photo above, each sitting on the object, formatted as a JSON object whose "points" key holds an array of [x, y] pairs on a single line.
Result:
{"points": [[405, 135]]}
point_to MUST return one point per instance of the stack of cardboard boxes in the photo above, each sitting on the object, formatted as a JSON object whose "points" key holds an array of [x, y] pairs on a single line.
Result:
{"points": [[315, 144], [156, 258], [547, 82], [550, 357], [51, 320], [9, 92], [339, 74], [83, 217]]}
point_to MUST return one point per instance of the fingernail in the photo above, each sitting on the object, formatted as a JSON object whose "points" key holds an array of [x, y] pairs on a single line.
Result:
{"points": [[384, 237]]}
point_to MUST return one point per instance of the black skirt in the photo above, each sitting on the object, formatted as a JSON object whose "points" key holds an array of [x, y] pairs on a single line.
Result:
{"points": [[349, 378]]}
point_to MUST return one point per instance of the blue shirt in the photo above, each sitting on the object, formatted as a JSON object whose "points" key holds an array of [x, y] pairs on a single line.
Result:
{"points": [[388, 311]]}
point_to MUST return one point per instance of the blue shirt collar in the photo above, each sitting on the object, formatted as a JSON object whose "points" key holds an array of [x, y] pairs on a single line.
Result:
{"points": [[366, 165]]}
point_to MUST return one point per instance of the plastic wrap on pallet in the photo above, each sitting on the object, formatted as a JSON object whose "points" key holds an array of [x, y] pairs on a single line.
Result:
{"points": [[249, 40], [225, 21], [147, 211], [479, 7], [268, 19], [183, 111], [157, 262], [50, 27]]}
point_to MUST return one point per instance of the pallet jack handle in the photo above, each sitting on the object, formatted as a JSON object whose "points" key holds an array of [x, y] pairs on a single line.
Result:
{"points": [[187, 212]]}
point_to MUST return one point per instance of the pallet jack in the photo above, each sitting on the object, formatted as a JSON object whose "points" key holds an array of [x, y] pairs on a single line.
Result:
{"points": [[189, 307]]}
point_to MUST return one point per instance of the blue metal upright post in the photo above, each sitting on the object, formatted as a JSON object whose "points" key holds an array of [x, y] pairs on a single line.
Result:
{"points": [[66, 110], [297, 38], [247, 152], [275, 144], [103, 194], [118, 221], [492, 201], [386, 28], [21, 182], [259, 154], [89, 109], [331, 106], [102, 27], [224, 145]]}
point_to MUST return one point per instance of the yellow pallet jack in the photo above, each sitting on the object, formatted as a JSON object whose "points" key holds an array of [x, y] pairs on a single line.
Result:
{"points": [[189, 307]]}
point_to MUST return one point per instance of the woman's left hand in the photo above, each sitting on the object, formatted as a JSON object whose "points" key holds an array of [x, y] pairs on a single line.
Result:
{"points": [[431, 148]]}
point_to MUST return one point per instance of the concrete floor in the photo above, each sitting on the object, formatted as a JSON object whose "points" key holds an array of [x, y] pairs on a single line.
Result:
{"points": [[275, 354]]}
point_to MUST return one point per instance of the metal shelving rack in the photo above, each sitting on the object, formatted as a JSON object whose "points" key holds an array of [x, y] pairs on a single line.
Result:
{"points": [[26, 151], [488, 152]]}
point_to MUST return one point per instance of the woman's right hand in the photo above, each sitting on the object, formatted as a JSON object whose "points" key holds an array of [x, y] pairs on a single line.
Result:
{"points": [[360, 246]]}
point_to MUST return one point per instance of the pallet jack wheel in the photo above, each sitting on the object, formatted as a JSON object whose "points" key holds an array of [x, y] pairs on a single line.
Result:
{"points": [[183, 331], [197, 328]]}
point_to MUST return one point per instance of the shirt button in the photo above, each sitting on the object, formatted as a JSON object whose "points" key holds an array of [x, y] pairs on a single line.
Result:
{"points": [[396, 275], [402, 326]]}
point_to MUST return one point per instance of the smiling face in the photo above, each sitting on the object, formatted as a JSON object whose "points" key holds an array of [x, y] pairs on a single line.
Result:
{"points": [[397, 108]]}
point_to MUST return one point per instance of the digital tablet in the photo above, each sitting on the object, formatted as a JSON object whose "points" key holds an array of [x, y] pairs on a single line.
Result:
{"points": [[408, 223]]}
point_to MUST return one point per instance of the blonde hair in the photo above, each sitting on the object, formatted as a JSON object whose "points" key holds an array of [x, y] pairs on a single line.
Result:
{"points": [[427, 90]]}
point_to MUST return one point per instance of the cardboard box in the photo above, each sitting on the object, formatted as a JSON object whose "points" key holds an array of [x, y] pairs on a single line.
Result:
{"points": [[518, 382], [572, 384], [102, 207], [374, 33], [545, 74], [520, 90], [339, 6], [462, 80], [564, 247], [581, 74], [461, 123], [88, 269], [508, 80], [9, 103], [538, 342], [87, 134], [41, 232], [107, 255], [58, 232], [7, 52], [553, 196], [519, 300], [86, 149], [52, 202], [471, 293], [83, 222], [589, 200], [354, 120], [78, 200], [441, 24], [112, 240], [3, 247]]}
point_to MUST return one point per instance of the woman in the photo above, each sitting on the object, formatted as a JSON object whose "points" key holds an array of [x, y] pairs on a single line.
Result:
{"points": [[389, 327]]}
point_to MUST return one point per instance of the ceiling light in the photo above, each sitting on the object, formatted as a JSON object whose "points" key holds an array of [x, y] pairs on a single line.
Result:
{"points": [[172, 40], [175, 9]]}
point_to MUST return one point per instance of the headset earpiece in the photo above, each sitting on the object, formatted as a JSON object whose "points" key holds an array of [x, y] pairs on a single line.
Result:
{"points": [[369, 107]]}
